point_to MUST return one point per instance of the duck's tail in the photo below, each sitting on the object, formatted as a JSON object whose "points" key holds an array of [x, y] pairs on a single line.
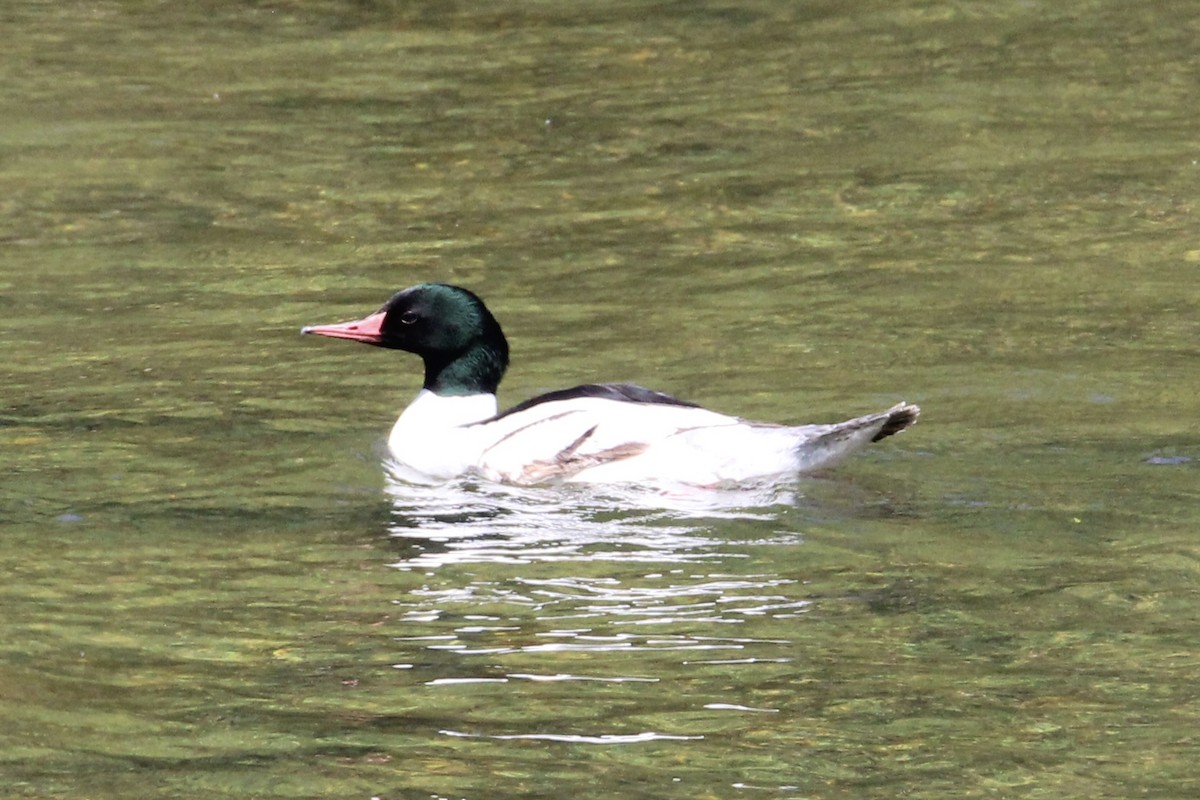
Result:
{"points": [[826, 445], [895, 419]]}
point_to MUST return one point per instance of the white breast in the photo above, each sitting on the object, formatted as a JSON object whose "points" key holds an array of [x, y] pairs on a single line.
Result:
{"points": [[434, 437]]}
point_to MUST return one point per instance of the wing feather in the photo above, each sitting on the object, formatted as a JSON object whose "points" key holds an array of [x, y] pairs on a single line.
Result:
{"points": [[556, 439]]}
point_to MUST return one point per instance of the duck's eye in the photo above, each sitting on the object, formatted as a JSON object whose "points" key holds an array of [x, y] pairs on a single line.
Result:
{"points": [[408, 318]]}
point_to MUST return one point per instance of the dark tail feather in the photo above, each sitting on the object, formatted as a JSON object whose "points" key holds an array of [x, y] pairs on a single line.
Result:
{"points": [[899, 417]]}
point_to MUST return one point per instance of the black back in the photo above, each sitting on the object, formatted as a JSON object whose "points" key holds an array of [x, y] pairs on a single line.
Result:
{"points": [[621, 392]]}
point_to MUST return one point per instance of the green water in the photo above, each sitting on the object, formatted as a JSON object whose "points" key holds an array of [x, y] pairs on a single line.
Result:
{"points": [[789, 211]]}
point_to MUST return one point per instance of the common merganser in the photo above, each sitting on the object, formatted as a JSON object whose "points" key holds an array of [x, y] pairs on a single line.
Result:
{"points": [[598, 433]]}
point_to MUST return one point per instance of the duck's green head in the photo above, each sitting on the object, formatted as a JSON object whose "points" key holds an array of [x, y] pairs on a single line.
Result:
{"points": [[449, 327]]}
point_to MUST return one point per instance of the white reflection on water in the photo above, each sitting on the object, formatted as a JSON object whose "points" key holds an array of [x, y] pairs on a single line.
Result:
{"points": [[567, 676], [466, 522], [592, 602]]}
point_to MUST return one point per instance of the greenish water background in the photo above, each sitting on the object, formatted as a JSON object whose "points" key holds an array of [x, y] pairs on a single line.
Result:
{"points": [[789, 211]]}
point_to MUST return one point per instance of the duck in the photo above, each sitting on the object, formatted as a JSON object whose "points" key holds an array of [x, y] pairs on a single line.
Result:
{"points": [[594, 433]]}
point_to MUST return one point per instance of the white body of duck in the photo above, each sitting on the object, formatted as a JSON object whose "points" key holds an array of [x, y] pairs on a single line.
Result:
{"points": [[598, 433]]}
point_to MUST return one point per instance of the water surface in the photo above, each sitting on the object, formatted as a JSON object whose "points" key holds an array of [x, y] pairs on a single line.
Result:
{"points": [[793, 212]]}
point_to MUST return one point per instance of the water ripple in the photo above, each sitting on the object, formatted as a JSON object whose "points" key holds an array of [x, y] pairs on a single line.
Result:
{"points": [[462, 523], [606, 738]]}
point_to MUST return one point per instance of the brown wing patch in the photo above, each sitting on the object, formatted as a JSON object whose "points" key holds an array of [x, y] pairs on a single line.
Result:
{"points": [[568, 461]]}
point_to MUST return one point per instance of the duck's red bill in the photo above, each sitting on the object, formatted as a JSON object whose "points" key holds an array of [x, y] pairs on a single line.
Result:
{"points": [[368, 329]]}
